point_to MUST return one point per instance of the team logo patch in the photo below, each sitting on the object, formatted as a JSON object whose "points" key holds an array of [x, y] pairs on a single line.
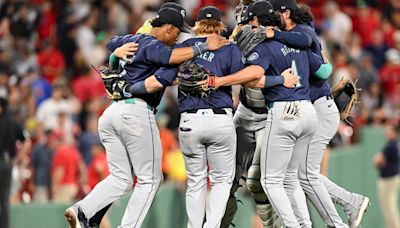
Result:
{"points": [[253, 57], [183, 12]]}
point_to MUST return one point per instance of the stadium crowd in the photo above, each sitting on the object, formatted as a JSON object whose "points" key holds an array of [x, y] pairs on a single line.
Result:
{"points": [[47, 47]]}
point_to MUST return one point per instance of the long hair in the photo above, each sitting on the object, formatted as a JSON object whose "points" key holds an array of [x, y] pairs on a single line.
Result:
{"points": [[270, 20], [302, 15], [208, 27]]}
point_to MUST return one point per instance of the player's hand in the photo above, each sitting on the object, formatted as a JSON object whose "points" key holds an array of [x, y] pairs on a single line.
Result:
{"points": [[269, 32], [215, 42], [290, 80], [126, 51]]}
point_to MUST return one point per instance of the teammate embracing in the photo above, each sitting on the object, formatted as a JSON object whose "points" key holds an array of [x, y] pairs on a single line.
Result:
{"points": [[128, 127], [317, 187]]}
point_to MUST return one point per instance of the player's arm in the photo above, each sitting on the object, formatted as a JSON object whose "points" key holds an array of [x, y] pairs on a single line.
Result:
{"points": [[286, 79], [319, 67], [293, 39], [162, 78]]}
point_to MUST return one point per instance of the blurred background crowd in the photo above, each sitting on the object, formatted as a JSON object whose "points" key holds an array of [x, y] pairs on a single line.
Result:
{"points": [[47, 47]]}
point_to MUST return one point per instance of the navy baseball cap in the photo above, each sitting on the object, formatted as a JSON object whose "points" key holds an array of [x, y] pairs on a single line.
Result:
{"points": [[260, 8], [172, 16], [176, 6], [281, 5], [209, 12]]}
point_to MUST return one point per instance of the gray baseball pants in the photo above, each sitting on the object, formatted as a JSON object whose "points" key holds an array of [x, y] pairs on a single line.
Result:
{"points": [[309, 171], [207, 141], [131, 138], [288, 132]]}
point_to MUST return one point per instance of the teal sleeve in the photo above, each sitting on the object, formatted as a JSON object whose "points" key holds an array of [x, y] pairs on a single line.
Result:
{"points": [[324, 71], [113, 61]]}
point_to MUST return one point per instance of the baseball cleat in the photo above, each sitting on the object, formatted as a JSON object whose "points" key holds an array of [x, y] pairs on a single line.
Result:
{"points": [[356, 215], [75, 217]]}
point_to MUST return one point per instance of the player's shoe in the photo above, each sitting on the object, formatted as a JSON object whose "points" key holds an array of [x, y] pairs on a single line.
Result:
{"points": [[76, 218], [355, 214]]}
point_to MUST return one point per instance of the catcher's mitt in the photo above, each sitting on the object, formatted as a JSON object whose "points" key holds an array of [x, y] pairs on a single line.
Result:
{"points": [[113, 83], [190, 75], [345, 95]]}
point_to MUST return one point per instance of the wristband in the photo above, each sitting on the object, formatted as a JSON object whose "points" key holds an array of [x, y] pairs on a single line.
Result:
{"points": [[138, 88], [113, 61], [271, 81], [199, 49]]}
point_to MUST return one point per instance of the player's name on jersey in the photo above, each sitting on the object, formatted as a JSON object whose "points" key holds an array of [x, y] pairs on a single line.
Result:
{"points": [[286, 50], [208, 56]]}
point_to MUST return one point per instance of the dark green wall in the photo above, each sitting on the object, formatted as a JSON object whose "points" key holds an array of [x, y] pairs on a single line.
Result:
{"points": [[350, 167]]}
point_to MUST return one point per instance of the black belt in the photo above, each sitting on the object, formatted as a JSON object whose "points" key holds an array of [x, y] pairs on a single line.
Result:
{"points": [[328, 97], [215, 111]]}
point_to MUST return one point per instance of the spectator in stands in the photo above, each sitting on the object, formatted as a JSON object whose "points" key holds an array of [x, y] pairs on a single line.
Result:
{"points": [[339, 24], [68, 174], [377, 48], [51, 62], [387, 162], [42, 156], [390, 74], [89, 138], [10, 133]]}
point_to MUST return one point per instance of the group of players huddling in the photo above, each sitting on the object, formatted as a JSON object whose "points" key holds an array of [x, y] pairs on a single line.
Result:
{"points": [[276, 137]]}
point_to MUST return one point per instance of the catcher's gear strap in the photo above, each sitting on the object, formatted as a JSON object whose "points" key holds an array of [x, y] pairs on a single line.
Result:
{"points": [[247, 39]]}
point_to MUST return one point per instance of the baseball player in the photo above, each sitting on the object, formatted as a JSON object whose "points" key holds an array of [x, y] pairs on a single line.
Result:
{"points": [[128, 127], [290, 122], [251, 115], [297, 18], [127, 52]]}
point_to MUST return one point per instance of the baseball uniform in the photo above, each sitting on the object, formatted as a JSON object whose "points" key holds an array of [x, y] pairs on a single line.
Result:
{"points": [[290, 126], [207, 138]]}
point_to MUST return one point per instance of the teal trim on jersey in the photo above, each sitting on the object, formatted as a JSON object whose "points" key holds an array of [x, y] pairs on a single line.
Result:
{"points": [[113, 61], [132, 101], [324, 71]]}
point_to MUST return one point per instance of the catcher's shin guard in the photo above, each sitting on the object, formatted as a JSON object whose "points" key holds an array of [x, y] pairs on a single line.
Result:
{"points": [[231, 206], [264, 209]]}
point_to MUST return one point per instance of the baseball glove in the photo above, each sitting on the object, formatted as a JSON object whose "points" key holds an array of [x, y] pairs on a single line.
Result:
{"points": [[247, 39], [113, 83], [345, 95], [190, 75]]}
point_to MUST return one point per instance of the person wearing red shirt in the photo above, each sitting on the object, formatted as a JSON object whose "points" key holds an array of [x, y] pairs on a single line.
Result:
{"points": [[389, 75], [51, 62], [98, 168], [67, 173]]}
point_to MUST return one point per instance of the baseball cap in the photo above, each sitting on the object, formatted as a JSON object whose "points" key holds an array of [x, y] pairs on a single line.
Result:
{"points": [[260, 8], [172, 16], [176, 6], [284, 4], [209, 12]]}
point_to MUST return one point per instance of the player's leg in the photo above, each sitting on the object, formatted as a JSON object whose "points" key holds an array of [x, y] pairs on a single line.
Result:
{"points": [[194, 154], [221, 159], [243, 120], [328, 122], [304, 132], [264, 208], [96, 219], [354, 205], [118, 182], [140, 134], [276, 153]]}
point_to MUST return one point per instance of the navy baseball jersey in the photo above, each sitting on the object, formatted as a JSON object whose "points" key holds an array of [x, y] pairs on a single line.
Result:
{"points": [[276, 57], [318, 87], [150, 56], [224, 61]]}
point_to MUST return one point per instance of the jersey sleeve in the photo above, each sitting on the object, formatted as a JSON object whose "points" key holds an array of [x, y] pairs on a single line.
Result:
{"points": [[315, 61], [158, 53], [259, 57], [118, 41], [237, 62], [294, 39], [166, 75]]}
